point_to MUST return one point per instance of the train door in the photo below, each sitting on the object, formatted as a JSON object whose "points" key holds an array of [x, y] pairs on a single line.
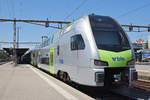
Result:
{"points": [[72, 59], [32, 58], [39, 59], [82, 60], [36, 57], [52, 60], [81, 56]]}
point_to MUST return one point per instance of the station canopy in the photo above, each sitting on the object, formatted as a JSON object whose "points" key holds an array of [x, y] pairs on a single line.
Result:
{"points": [[19, 51]]}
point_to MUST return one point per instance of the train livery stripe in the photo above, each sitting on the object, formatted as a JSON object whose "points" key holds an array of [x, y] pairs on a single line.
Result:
{"points": [[39, 59], [52, 60], [68, 25], [115, 59]]}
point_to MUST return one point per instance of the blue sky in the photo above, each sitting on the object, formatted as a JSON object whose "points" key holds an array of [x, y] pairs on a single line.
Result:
{"points": [[59, 9]]}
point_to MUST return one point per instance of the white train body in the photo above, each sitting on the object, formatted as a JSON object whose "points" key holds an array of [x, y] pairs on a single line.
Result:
{"points": [[75, 51]]}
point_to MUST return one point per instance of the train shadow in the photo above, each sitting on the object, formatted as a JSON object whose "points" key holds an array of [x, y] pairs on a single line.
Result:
{"points": [[133, 92]]}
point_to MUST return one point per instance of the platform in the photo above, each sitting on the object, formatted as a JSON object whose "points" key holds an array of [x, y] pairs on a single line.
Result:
{"points": [[25, 82], [143, 72]]}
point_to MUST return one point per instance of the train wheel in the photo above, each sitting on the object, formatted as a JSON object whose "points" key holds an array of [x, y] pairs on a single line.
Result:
{"points": [[68, 78], [58, 74], [61, 75], [64, 77]]}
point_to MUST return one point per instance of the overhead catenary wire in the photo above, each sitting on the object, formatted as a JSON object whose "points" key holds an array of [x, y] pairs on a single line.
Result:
{"points": [[77, 8], [134, 10], [44, 22], [7, 42], [37, 21], [43, 25]]}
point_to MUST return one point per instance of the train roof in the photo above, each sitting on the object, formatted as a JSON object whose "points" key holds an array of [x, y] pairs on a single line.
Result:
{"points": [[54, 36]]}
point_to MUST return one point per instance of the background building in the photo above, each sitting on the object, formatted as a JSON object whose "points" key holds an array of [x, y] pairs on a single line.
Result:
{"points": [[148, 41]]}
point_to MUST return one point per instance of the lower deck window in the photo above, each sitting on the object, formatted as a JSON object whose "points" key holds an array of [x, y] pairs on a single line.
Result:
{"points": [[45, 61]]}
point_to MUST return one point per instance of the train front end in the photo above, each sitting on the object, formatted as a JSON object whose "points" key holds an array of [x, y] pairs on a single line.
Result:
{"points": [[115, 52]]}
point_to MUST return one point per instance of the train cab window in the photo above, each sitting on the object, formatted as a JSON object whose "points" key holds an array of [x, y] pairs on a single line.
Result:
{"points": [[77, 42]]}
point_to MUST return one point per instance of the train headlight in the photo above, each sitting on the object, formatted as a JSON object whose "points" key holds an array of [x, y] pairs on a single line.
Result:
{"points": [[100, 63], [131, 62]]}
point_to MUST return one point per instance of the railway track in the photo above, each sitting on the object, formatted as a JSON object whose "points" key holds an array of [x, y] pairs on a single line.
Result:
{"points": [[102, 93], [142, 85], [123, 93], [112, 96]]}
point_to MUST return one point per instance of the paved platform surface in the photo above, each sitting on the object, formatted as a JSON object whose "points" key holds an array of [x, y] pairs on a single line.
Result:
{"points": [[143, 72], [27, 83], [143, 67]]}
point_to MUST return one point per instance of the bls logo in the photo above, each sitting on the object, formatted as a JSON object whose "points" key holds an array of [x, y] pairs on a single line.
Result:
{"points": [[118, 59]]}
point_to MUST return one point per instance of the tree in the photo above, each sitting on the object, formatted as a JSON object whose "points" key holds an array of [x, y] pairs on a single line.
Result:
{"points": [[3, 55]]}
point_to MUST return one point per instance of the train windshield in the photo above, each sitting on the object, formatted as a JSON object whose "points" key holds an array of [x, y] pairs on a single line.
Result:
{"points": [[107, 37], [108, 34]]}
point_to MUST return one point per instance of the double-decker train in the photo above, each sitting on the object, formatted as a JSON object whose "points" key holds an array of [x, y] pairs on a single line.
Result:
{"points": [[93, 51]]}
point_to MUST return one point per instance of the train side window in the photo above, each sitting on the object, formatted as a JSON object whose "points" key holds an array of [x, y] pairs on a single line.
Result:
{"points": [[80, 42], [33, 55], [45, 61], [77, 42]]}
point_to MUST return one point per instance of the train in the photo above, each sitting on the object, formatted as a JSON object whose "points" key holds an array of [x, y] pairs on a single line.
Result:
{"points": [[93, 51]]}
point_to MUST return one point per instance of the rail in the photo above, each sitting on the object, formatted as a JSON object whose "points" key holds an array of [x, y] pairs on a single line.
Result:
{"points": [[142, 63], [142, 85]]}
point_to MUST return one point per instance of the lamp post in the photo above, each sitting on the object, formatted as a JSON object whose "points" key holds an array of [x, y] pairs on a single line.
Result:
{"points": [[14, 44]]}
